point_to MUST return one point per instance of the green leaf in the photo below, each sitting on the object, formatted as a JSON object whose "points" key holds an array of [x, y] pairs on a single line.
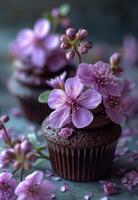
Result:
{"points": [[33, 139], [44, 96], [64, 9]]}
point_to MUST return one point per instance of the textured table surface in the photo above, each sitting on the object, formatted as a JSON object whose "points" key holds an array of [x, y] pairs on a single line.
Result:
{"points": [[79, 190]]}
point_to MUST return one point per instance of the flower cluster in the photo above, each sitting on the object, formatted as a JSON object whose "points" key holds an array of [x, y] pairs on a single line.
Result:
{"points": [[39, 47], [20, 153], [75, 42], [74, 99], [115, 92]]}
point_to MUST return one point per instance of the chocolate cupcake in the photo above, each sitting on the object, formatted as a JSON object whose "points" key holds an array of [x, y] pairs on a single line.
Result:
{"points": [[87, 155], [37, 59], [83, 130]]}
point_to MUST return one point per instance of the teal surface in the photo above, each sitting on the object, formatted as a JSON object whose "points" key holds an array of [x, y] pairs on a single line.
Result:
{"points": [[77, 190]]}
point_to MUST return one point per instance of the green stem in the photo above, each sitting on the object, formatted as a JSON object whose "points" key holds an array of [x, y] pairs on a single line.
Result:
{"points": [[7, 136], [21, 174], [78, 55]]}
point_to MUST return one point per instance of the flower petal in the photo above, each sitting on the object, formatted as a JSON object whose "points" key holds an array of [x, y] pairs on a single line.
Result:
{"points": [[85, 74], [115, 116], [5, 176], [46, 190], [114, 89], [90, 99], [73, 87], [60, 117], [56, 60], [35, 177], [81, 117], [38, 57], [52, 42], [56, 98], [41, 28], [25, 37]]}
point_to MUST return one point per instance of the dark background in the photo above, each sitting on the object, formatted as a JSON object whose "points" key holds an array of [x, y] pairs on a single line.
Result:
{"points": [[107, 20]]}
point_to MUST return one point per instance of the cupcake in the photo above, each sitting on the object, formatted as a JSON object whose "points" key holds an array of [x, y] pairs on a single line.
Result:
{"points": [[37, 58], [83, 130]]}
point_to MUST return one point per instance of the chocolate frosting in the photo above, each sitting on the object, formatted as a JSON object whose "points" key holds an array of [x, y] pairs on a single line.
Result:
{"points": [[83, 138]]}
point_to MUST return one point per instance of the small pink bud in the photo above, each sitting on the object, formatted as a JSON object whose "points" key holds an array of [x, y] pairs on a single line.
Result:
{"points": [[115, 59], [82, 34], [70, 55], [17, 148], [71, 33], [55, 12], [26, 146], [83, 50], [87, 44], [31, 156], [17, 164], [4, 118], [65, 46], [64, 38]]}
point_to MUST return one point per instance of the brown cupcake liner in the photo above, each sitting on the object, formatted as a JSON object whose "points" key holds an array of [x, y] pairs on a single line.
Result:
{"points": [[81, 164], [33, 110]]}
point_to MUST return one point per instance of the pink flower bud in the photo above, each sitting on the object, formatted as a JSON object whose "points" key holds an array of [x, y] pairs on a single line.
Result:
{"points": [[64, 38], [4, 118], [88, 44], [115, 59], [65, 45], [17, 148], [82, 34], [55, 12], [17, 164], [70, 55], [31, 156], [71, 33], [26, 146], [83, 50]]}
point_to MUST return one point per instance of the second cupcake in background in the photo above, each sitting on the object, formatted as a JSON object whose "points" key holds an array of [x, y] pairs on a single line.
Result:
{"points": [[37, 57]]}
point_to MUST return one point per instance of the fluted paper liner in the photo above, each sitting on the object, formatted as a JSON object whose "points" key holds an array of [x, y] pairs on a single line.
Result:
{"points": [[81, 164]]}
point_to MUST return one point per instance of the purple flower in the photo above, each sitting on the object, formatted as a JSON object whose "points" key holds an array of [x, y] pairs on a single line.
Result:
{"points": [[56, 60], [73, 104], [58, 82], [34, 188], [7, 186], [100, 77], [65, 132], [35, 43], [118, 108], [109, 187], [130, 179]]}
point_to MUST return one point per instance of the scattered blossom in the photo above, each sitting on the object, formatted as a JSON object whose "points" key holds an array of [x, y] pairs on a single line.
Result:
{"points": [[130, 180], [64, 188], [65, 132], [7, 186], [109, 187], [72, 105], [100, 77], [34, 188]]}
